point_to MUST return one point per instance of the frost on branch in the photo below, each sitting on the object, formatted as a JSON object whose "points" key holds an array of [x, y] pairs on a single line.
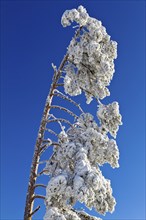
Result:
{"points": [[80, 16], [74, 170], [91, 57], [110, 118], [67, 214], [71, 82], [74, 166]]}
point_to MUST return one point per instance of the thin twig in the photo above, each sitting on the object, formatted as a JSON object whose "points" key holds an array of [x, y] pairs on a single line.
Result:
{"points": [[87, 68], [40, 173], [38, 197], [64, 109], [40, 185], [43, 148], [51, 131], [38, 207], [61, 120], [89, 92], [61, 95], [43, 161], [60, 84], [53, 143]]}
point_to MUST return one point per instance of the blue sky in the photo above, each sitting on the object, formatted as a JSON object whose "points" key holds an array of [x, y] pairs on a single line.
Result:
{"points": [[32, 38]]}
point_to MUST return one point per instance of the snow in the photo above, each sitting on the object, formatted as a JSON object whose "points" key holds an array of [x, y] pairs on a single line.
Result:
{"points": [[91, 57], [74, 166]]}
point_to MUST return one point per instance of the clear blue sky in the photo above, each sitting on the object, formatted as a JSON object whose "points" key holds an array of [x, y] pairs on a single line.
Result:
{"points": [[32, 38]]}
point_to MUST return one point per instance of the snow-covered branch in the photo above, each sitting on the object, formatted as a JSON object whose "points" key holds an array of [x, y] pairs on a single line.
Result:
{"points": [[64, 109], [51, 131], [60, 120], [61, 95], [85, 145], [92, 55]]}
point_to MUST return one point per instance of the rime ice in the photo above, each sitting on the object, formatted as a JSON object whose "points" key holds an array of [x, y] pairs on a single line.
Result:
{"points": [[76, 176], [91, 56], [74, 166], [110, 118]]}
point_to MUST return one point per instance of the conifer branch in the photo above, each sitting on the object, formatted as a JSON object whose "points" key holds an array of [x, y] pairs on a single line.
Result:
{"points": [[43, 161], [40, 173], [61, 120], [38, 197], [59, 84], [64, 109], [40, 185], [44, 147], [51, 131], [61, 95], [31, 214]]}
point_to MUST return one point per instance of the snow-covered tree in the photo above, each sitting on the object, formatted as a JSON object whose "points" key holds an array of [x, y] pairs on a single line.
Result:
{"points": [[84, 145]]}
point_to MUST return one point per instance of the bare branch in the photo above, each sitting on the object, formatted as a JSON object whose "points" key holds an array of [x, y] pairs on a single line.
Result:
{"points": [[64, 109], [38, 197], [59, 84], [40, 173], [43, 161], [38, 207], [40, 185], [55, 144]]}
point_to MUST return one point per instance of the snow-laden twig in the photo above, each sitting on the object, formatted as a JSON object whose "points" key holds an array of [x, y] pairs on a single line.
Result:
{"points": [[58, 121], [40, 173], [51, 131], [63, 96], [64, 109], [43, 161]]}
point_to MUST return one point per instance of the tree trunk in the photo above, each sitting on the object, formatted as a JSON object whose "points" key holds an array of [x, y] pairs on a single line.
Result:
{"points": [[36, 157]]}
